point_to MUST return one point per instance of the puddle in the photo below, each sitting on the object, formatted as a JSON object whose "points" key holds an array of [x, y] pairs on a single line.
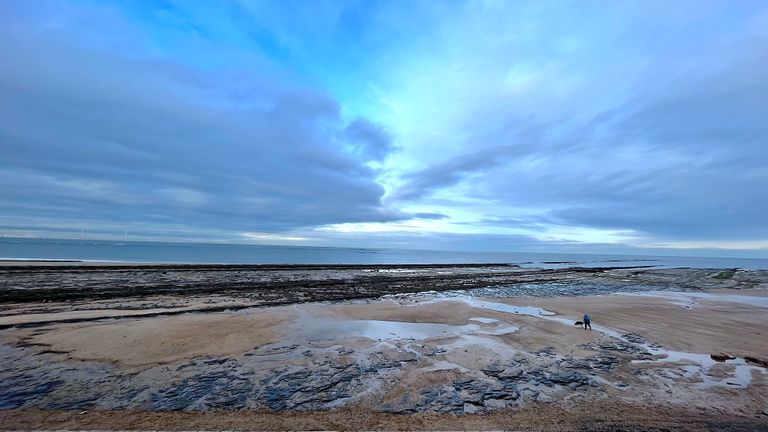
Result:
{"points": [[313, 328], [502, 307], [484, 320], [689, 300], [442, 365], [500, 331], [741, 376], [493, 306], [319, 329]]}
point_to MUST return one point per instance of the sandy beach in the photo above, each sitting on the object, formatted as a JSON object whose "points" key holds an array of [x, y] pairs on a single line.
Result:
{"points": [[492, 347]]}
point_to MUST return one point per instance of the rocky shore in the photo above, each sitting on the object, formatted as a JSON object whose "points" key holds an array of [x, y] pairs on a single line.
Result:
{"points": [[285, 284], [478, 341]]}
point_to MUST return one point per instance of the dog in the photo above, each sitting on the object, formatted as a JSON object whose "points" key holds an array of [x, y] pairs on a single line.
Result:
{"points": [[579, 323]]}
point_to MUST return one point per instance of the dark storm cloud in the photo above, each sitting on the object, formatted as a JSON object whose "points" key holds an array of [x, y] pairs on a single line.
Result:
{"points": [[90, 134]]}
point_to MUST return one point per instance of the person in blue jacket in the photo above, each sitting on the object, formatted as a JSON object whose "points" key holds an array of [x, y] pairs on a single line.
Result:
{"points": [[587, 322]]}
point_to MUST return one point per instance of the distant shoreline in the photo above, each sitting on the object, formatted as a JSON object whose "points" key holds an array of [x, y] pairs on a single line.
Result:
{"points": [[274, 284], [5, 262], [86, 252]]}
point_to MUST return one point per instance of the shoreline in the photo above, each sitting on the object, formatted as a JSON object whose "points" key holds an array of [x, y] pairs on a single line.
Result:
{"points": [[277, 284], [281, 284], [74, 264], [505, 354]]}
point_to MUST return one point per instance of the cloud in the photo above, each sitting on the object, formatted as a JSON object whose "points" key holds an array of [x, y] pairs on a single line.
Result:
{"points": [[93, 134], [368, 140], [659, 144], [710, 126], [422, 183], [558, 125]]}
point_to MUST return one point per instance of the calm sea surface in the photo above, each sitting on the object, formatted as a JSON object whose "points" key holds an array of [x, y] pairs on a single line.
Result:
{"points": [[93, 250]]}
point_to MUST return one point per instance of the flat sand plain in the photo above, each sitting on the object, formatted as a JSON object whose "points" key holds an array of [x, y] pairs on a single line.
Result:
{"points": [[431, 360]]}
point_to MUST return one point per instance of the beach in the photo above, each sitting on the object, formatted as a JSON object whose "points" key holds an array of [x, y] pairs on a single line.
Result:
{"points": [[482, 346]]}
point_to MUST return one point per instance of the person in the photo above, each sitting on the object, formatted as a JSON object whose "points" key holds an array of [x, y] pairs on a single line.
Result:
{"points": [[586, 322]]}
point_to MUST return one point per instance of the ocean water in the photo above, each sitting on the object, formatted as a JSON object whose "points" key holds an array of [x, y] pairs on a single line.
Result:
{"points": [[134, 251]]}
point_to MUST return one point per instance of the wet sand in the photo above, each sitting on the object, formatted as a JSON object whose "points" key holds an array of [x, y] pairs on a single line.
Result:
{"points": [[680, 321], [474, 359], [165, 339]]}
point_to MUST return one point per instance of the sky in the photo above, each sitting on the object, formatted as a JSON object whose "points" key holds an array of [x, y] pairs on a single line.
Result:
{"points": [[586, 126]]}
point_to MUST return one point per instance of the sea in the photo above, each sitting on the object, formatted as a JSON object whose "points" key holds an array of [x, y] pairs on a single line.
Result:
{"points": [[157, 252]]}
